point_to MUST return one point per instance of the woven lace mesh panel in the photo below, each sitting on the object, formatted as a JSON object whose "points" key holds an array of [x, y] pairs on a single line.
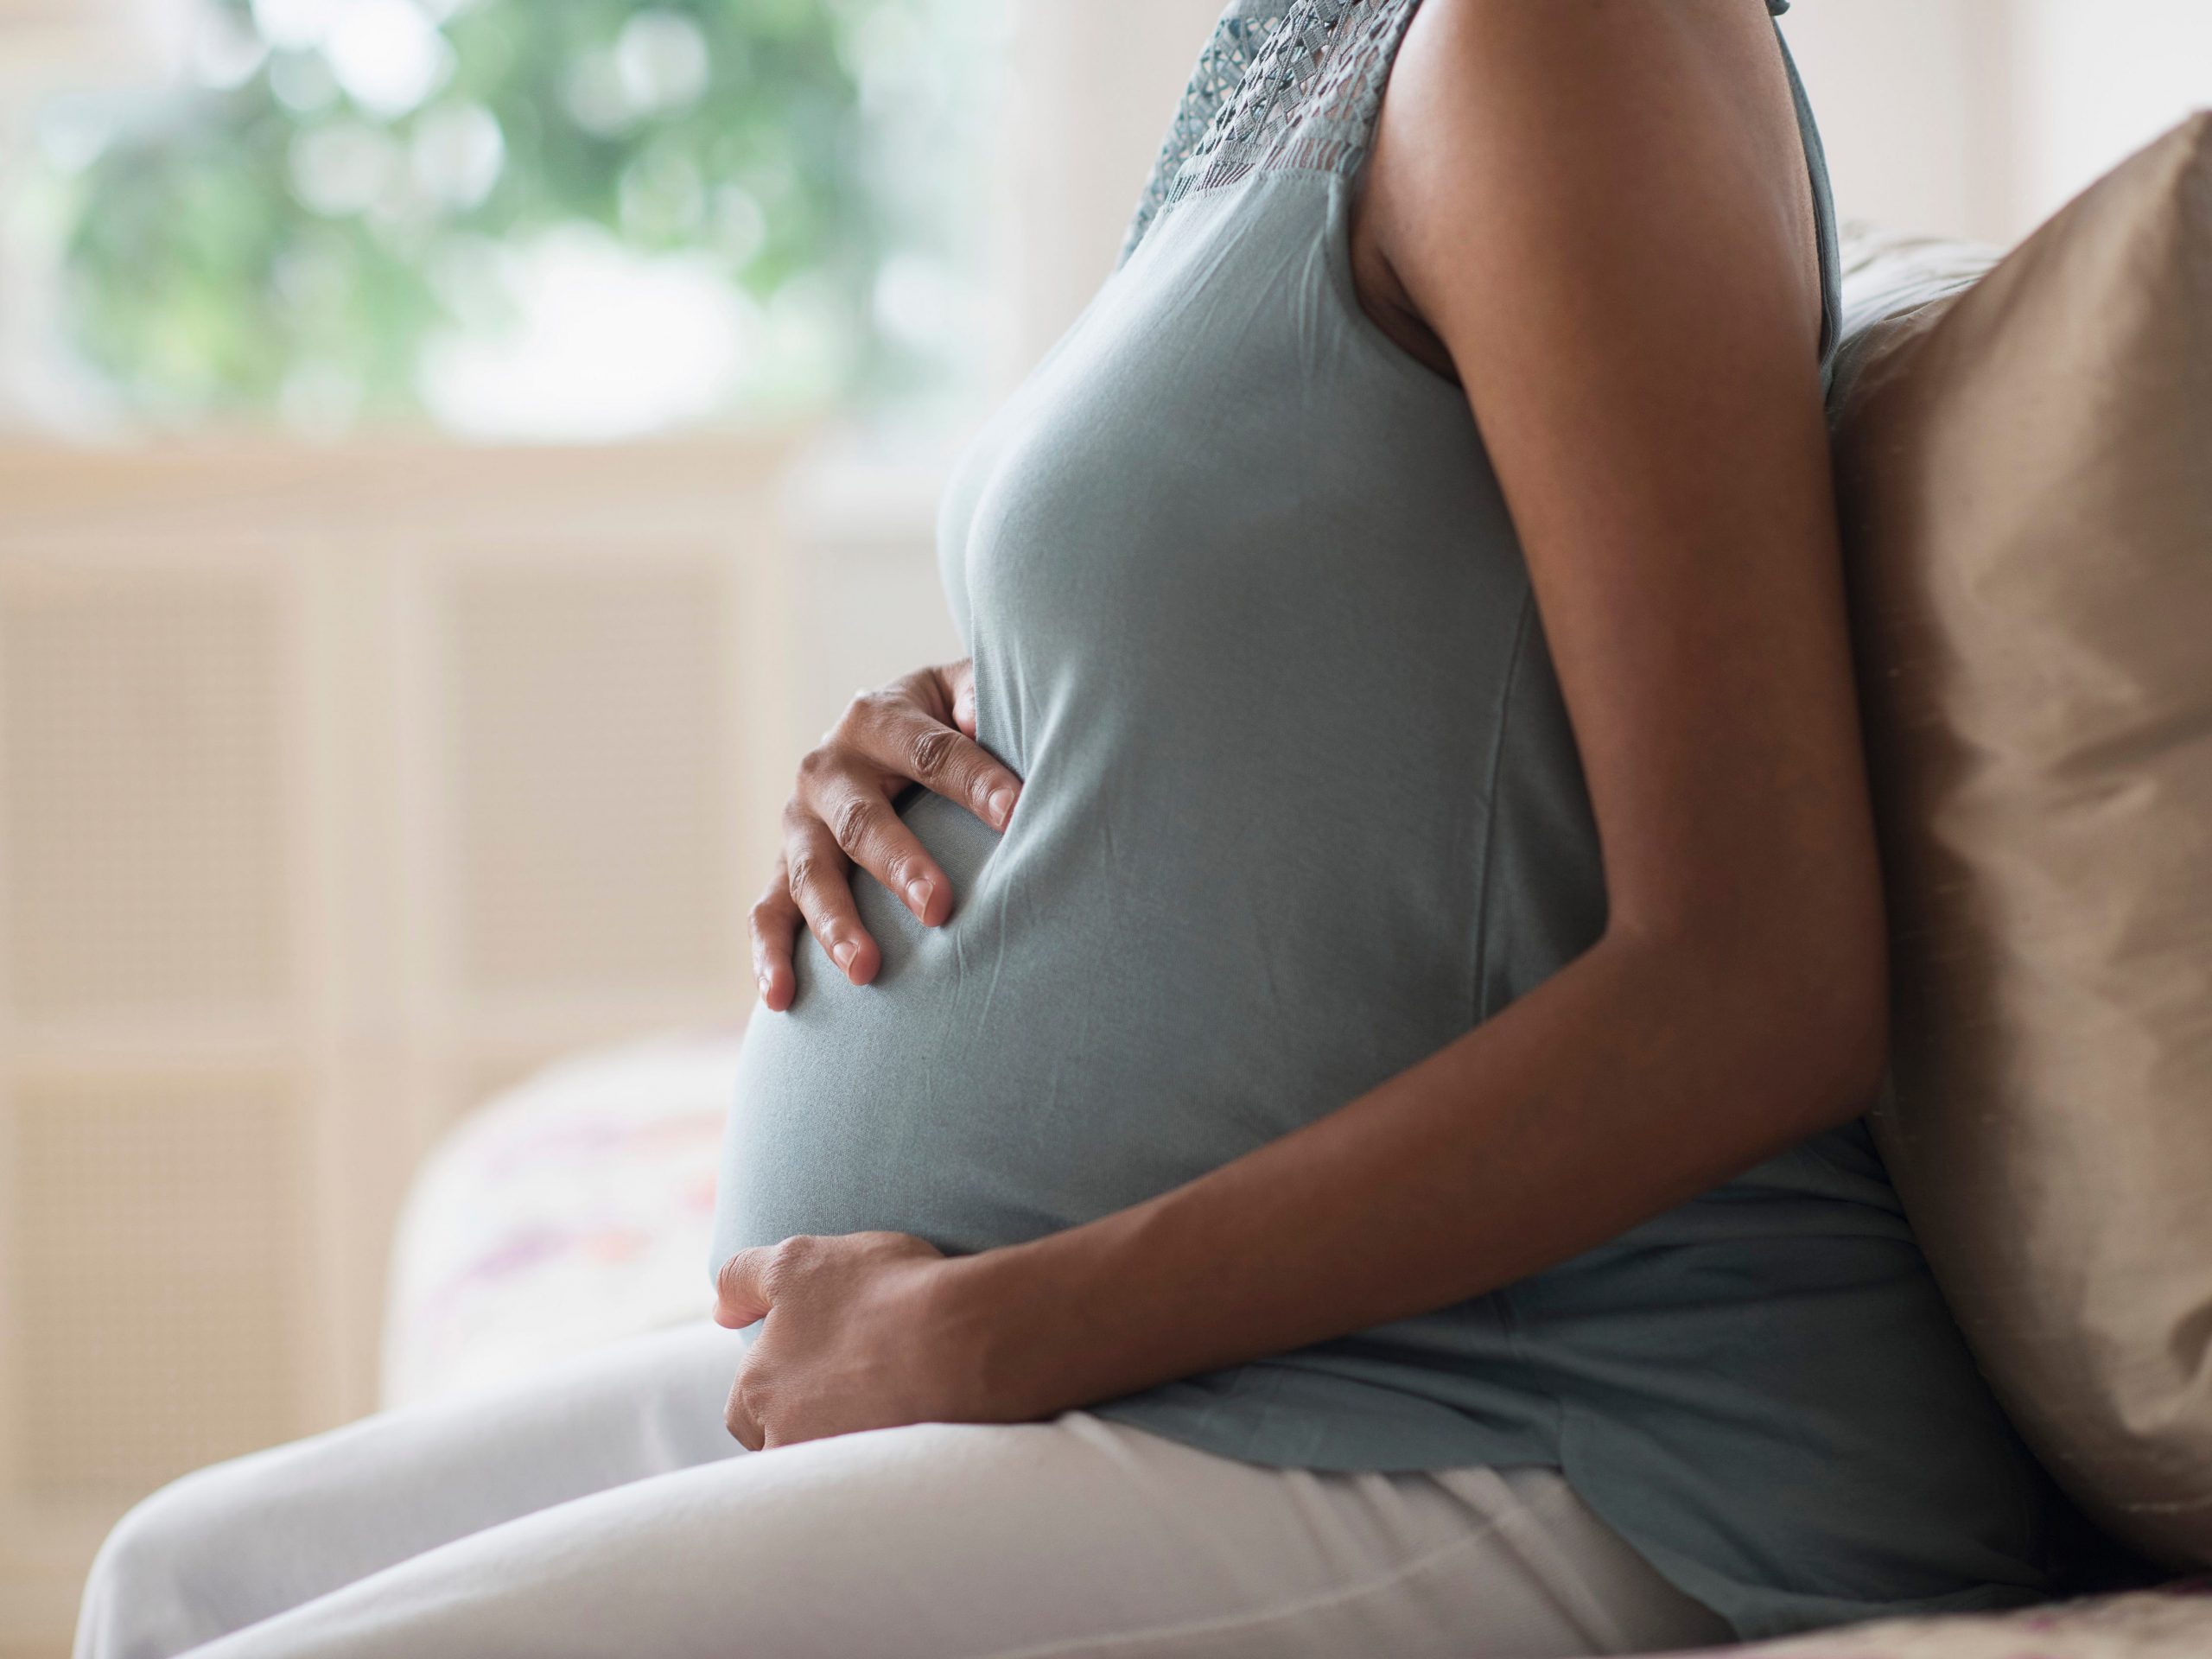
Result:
{"points": [[1281, 83]]}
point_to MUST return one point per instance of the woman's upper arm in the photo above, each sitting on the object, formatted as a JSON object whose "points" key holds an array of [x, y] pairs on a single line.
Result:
{"points": [[1603, 212]]}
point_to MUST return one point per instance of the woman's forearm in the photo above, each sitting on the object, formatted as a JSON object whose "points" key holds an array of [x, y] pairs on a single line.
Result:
{"points": [[1630, 1081]]}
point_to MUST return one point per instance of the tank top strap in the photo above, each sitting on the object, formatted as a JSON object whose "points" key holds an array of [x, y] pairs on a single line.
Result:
{"points": [[1298, 83], [1824, 215], [1281, 84]]}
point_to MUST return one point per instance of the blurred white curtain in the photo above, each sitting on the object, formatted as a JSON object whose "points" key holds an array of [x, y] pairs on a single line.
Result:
{"points": [[49, 43], [1982, 118], [2098, 79], [48, 47], [1090, 90], [1915, 99]]}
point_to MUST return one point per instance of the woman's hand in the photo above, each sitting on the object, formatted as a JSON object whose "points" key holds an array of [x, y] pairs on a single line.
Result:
{"points": [[921, 729], [860, 1334]]}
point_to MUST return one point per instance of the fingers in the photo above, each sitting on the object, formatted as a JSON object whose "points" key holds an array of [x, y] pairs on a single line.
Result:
{"points": [[816, 865], [741, 1288], [861, 820], [739, 1419], [907, 741], [960, 683], [840, 816], [774, 925], [741, 1296]]}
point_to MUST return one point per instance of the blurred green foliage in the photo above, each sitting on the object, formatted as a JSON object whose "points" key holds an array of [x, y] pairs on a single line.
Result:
{"points": [[285, 217]]}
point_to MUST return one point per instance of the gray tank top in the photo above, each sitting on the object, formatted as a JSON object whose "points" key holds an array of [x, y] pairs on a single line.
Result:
{"points": [[1303, 805]]}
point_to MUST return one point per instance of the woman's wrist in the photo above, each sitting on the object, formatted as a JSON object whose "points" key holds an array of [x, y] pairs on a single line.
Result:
{"points": [[1030, 1335]]}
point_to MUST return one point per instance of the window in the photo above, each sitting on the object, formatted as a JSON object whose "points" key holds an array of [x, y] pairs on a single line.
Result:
{"points": [[522, 219]]}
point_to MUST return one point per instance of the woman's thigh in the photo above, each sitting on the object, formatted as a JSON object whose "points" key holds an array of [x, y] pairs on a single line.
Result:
{"points": [[1075, 1536], [234, 1543]]}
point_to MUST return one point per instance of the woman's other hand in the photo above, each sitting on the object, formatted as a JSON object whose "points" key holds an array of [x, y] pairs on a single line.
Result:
{"points": [[861, 1332], [920, 728]]}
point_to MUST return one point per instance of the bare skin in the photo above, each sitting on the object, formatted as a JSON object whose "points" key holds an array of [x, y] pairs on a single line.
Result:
{"points": [[1593, 215]]}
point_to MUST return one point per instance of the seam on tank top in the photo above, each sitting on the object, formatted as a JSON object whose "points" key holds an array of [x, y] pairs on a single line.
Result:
{"points": [[1199, 192], [1490, 805]]}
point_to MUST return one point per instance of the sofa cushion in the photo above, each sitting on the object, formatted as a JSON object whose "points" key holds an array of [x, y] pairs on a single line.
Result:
{"points": [[2024, 459], [2171, 1623]]}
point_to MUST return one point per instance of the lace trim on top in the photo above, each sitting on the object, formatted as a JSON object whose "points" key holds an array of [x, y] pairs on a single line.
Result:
{"points": [[1281, 83]]}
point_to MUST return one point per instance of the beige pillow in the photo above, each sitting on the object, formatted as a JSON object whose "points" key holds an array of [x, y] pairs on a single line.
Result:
{"points": [[2024, 472]]}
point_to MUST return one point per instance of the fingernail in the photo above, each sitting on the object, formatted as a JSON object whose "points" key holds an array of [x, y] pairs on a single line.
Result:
{"points": [[918, 895], [844, 952], [763, 984], [1001, 807]]}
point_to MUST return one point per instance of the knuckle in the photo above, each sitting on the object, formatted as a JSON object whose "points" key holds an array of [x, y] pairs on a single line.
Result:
{"points": [[931, 753], [750, 1398], [849, 822], [805, 872], [788, 1263], [738, 1415]]}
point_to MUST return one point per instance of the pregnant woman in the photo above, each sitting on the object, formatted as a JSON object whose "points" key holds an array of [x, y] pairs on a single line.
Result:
{"points": [[1332, 1122]]}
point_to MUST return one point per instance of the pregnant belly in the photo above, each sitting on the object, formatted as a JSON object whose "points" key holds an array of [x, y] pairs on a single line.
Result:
{"points": [[1079, 1036]]}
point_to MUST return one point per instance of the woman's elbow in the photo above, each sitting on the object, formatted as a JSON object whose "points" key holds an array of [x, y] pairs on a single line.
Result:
{"points": [[1795, 1008], [1824, 980], [1848, 1039]]}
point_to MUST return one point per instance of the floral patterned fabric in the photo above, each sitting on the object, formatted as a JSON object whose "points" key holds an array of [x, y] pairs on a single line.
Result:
{"points": [[572, 1210]]}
